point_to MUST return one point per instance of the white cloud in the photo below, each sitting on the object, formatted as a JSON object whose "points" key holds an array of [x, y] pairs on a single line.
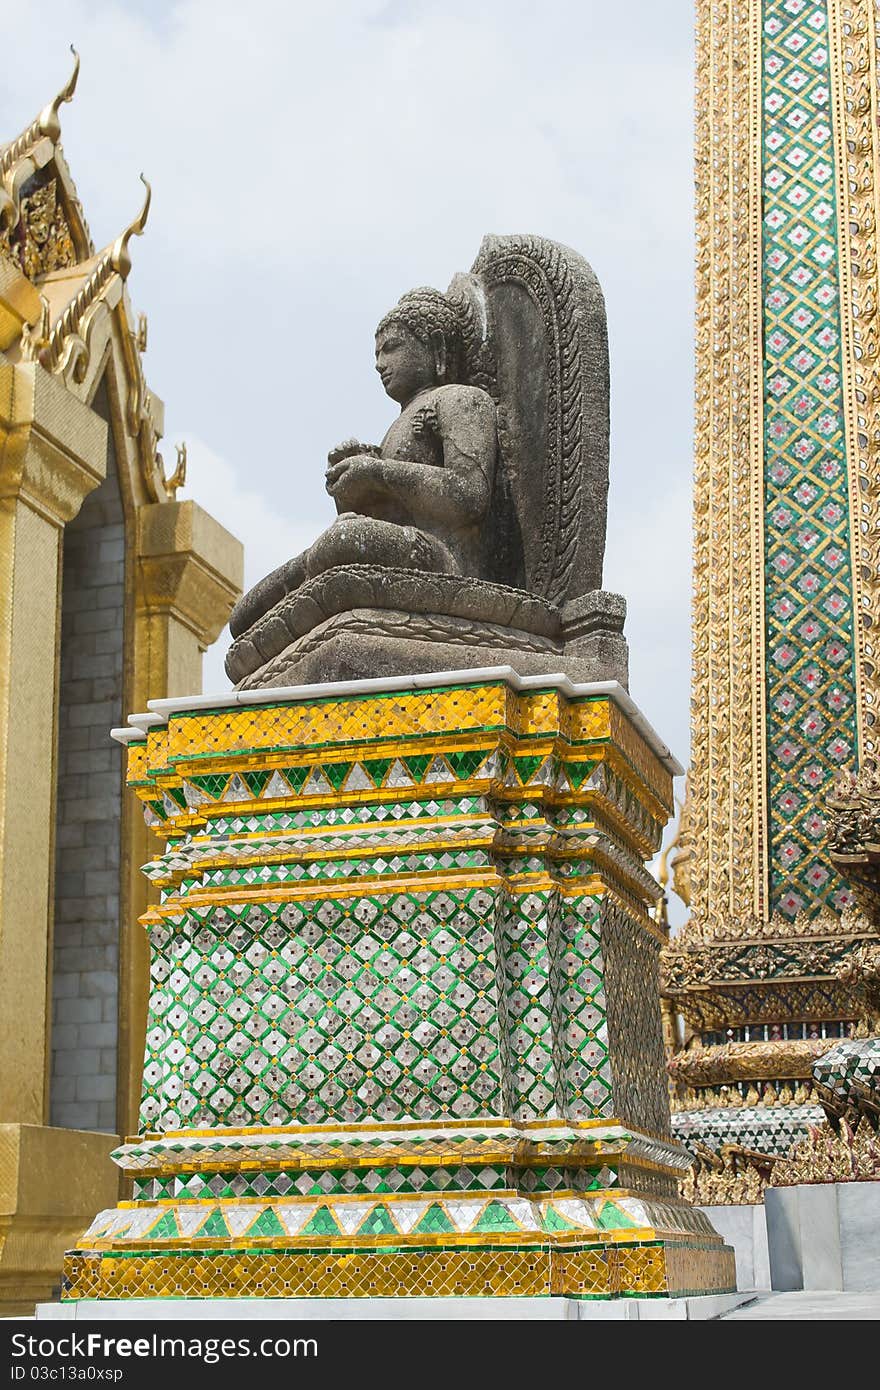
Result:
{"points": [[311, 162], [269, 536]]}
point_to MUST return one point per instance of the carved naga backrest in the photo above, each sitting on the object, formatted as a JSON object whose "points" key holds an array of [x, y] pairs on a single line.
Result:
{"points": [[540, 312]]}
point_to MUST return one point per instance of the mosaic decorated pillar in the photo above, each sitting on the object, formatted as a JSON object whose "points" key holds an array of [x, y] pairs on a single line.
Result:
{"points": [[786, 593], [786, 587], [404, 1032]]}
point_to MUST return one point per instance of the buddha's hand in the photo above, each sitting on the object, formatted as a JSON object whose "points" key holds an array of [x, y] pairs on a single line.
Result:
{"points": [[348, 448], [353, 482]]}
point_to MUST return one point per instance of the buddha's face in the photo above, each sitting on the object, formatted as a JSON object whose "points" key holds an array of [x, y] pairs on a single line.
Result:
{"points": [[405, 364]]}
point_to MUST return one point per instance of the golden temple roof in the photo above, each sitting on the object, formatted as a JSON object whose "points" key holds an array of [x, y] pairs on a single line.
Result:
{"points": [[59, 298], [33, 161]]}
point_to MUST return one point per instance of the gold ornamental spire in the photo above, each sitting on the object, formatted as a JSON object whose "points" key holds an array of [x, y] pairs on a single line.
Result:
{"points": [[120, 258], [20, 158], [48, 122]]}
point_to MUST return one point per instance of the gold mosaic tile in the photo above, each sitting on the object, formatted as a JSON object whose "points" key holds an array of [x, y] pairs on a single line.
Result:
{"points": [[602, 1271], [696, 1269], [139, 754], [387, 1274], [397, 716], [539, 713], [624, 736], [640, 1270]]}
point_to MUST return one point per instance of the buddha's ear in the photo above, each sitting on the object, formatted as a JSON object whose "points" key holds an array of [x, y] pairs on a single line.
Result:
{"points": [[438, 345]]}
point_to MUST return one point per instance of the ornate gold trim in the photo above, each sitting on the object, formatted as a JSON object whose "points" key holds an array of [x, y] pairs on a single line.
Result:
{"points": [[727, 766], [68, 346], [852, 51], [847, 1155], [789, 1060]]}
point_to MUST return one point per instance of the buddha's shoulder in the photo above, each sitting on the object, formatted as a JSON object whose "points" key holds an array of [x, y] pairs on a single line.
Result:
{"points": [[447, 400]]}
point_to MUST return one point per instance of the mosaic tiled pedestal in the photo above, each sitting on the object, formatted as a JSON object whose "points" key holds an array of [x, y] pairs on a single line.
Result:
{"points": [[404, 1032]]}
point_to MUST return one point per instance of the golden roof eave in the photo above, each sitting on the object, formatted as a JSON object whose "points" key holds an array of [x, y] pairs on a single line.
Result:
{"points": [[66, 349]]}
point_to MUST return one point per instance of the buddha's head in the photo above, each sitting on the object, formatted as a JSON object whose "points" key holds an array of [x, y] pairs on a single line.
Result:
{"points": [[419, 344]]}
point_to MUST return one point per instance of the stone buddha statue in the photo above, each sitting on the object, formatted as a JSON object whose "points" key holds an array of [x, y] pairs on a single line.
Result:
{"points": [[418, 500], [473, 535]]}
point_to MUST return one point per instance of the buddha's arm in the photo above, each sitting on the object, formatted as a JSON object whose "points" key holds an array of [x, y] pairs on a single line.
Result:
{"points": [[456, 495], [349, 448]]}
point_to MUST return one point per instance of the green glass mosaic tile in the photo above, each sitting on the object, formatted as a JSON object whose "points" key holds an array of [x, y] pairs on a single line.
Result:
{"points": [[213, 785], [527, 767], [256, 781], [811, 693], [434, 1222], [215, 1226], [417, 764], [379, 1223], [465, 763], [266, 1225], [611, 1218], [166, 1228], [322, 1224], [380, 1005], [496, 1218]]}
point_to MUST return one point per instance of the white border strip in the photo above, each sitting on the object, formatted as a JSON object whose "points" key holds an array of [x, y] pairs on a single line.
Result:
{"points": [[231, 699]]}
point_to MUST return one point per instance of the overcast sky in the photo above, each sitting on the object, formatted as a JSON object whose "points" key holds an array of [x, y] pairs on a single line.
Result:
{"points": [[310, 162]]}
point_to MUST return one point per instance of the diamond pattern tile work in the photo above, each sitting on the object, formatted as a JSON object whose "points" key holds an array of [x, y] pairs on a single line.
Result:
{"points": [[534, 1061], [635, 1034], [314, 1010], [415, 776], [349, 1181], [580, 1004], [611, 1244], [850, 1074], [380, 1005], [291, 985], [771, 1129], [811, 727]]}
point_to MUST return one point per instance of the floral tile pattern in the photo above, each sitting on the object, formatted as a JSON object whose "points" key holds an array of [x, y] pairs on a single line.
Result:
{"points": [[811, 728]]}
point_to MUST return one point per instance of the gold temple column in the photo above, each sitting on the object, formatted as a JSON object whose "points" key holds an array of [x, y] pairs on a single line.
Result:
{"points": [[189, 574], [49, 444]]}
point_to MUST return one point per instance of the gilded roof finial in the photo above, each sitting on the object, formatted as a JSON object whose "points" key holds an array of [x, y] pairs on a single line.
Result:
{"points": [[34, 337], [178, 477], [119, 256], [48, 119]]}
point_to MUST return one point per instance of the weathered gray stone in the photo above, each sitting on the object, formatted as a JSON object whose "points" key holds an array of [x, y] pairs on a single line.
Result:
{"points": [[77, 1010], [372, 642], [408, 606], [89, 799], [858, 1205], [95, 1087], [83, 1062], [474, 534], [744, 1226], [76, 1114], [823, 1236], [595, 611]]}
